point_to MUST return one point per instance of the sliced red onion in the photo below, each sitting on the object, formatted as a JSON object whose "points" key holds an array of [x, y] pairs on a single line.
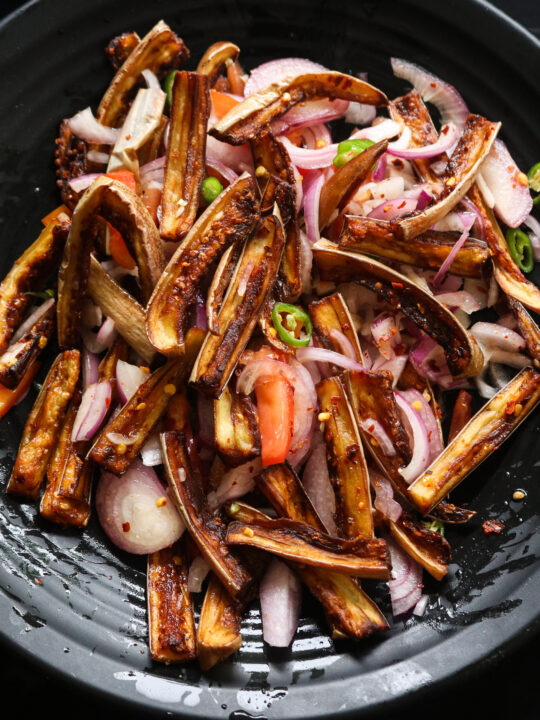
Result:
{"points": [[429, 360], [198, 570], [132, 512], [107, 333], [383, 130], [275, 70], [460, 299], [317, 484], [431, 425], [493, 291], [478, 289], [95, 402], [101, 158], [151, 79], [151, 454], [512, 359], [312, 195], [316, 354], [305, 406], [80, 183], [390, 209], [448, 137], [384, 497], [508, 185], [90, 364], [308, 159], [479, 222], [31, 320], [360, 114], [486, 193], [309, 113], [417, 431], [380, 169], [235, 483], [445, 97], [120, 439], [128, 379], [534, 226], [492, 335], [406, 584], [281, 595], [375, 429], [345, 345], [306, 262], [396, 366], [508, 321], [453, 252], [152, 171], [85, 126], [215, 165], [424, 199], [421, 605], [385, 334], [236, 157]]}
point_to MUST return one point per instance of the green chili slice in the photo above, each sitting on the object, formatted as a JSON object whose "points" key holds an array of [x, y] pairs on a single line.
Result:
{"points": [[520, 248], [167, 87], [289, 320], [349, 149], [534, 177]]}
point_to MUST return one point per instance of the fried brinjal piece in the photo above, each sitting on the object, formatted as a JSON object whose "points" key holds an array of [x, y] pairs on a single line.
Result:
{"points": [[505, 268], [301, 543], [171, 624], [428, 548], [218, 634], [236, 428], [125, 210], [185, 156], [121, 47], [346, 461], [254, 276], [30, 272], [117, 304], [349, 611], [331, 316], [71, 162], [158, 51], [227, 221], [216, 59], [527, 328], [428, 250], [206, 529], [16, 360], [463, 355], [139, 416], [218, 286], [251, 117], [41, 430], [484, 433], [342, 185]]}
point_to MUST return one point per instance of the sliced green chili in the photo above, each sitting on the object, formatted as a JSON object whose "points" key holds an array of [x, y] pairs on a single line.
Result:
{"points": [[168, 85], [295, 319], [434, 526], [349, 149], [520, 248], [534, 177]]}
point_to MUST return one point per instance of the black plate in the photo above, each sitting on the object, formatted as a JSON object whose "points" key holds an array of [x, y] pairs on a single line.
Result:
{"points": [[76, 604]]}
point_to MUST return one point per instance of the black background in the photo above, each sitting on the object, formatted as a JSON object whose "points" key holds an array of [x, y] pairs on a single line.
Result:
{"points": [[500, 690]]}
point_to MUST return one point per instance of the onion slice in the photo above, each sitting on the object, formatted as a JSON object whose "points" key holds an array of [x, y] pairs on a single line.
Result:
{"points": [[508, 185], [406, 584], [317, 484], [281, 595], [198, 570], [415, 427], [129, 378], [95, 402], [85, 126], [448, 137], [315, 354]]}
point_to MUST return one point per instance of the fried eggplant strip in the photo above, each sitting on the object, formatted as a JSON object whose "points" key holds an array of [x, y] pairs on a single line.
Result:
{"points": [[121, 47], [16, 360], [254, 276], [339, 189], [329, 315], [301, 543], [428, 548], [71, 162], [428, 250], [528, 329], [206, 529], [484, 433], [216, 59], [139, 416], [218, 634], [171, 625], [236, 428], [242, 512], [218, 286], [505, 269], [40, 432], [30, 273], [250, 118], [347, 464], [463, 355], [119, 205], [451, 514], [120, 306], [185, 158], [349, 611], [226, 221], [159, 50]]}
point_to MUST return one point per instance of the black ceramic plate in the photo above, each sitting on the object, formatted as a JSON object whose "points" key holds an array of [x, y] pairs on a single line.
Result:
{"points": [[76, 604]]}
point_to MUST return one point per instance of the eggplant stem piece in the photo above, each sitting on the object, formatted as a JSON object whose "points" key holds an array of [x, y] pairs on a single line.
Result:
{"points": [[484, 433], [236, 428], [253, 279], [185, 158], [342, 185], [141, 413], [251, 117], [332, 314], [428, 548], [171, 625], [528, 329], [301, 543], [41, 430], [463, 355], [30, 272], [206, 529], [216, 58], [226, 221], [428, 250], [218, 634], [117, 203]]}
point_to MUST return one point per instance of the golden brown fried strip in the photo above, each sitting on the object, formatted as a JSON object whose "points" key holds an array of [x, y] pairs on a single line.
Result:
{"points": [[483, 434], [218, 286], [428, 548], [527, 328], [226, 221], [331, 315], [236, 428], [251, 117], [171, 625], [121, 47], [185, 158], [71, 162], [216, 59], [40, 432], [206, 529], [218, 634]]}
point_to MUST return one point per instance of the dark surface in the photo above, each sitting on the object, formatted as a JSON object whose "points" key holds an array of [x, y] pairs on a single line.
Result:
{"points": [[501, 688]]}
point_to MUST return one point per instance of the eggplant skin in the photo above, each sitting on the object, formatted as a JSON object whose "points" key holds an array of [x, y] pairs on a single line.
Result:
{"points": [[429, 548], [484, 433], [71, 162], [236, 428], [218, 634], [528, 329], [331, 313], [121, 47], [216, 58]]}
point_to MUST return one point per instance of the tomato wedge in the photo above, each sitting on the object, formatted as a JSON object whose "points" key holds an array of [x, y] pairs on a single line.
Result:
{"points": [[222, 103], [9, 398], [275, 406], [119, 250], [124, 176]]}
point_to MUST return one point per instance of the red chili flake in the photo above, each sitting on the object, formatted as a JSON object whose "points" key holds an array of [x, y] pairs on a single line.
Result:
{"points": [[444, 130], [126, 527], [510, 407], [38, 581], [107, 402], [397, 285], [401, 205], [491, 527], [433, 84], [371, 428]]}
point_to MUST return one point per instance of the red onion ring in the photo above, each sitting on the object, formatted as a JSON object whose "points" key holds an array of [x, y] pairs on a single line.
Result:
{"points": [[390, 209], [413, 423], [128, 379], [235, 483], [428, 418], [312, 195], [448, 136], [90, 364], [85, 126], [384, 497], [509, 186], [95, 402], [317, 354], [452, 254], [198, 570], [281, 595], [406, 584], [317, 484]]}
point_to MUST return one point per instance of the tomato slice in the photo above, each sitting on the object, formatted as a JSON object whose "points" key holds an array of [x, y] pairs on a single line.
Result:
{"points": [[119, 250], [9, 398], [55, 213], [124, 176], [222, 103], [275, 405]]}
